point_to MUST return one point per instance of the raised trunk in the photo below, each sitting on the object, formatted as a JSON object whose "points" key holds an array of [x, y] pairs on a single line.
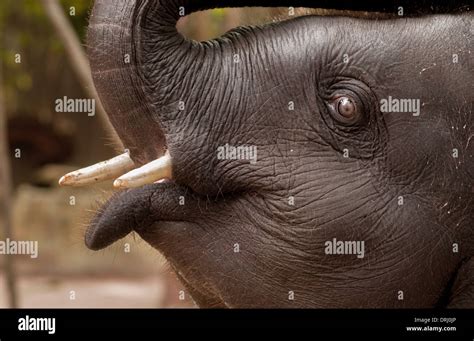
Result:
{"points": [[140, 61]]}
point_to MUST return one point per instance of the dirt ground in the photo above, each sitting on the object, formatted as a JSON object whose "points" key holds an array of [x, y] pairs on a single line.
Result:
{"points": [[76, 292]]}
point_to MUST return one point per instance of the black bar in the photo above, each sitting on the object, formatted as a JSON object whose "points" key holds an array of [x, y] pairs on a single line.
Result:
{"points": [[75, 322]]}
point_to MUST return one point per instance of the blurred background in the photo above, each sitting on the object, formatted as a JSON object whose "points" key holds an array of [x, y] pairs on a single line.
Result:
{"points": [[42, 44]]}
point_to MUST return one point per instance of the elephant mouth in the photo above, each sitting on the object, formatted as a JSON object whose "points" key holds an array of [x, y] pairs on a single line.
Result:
{"points": [[129, 208], [147, 202]]}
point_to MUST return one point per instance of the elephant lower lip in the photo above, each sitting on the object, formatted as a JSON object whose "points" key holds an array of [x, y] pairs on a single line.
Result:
{"points": [[118, 216], [134, 210]]}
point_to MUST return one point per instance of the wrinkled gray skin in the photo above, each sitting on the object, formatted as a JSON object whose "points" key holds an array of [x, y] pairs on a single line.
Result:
{"points": [[408, 247]]}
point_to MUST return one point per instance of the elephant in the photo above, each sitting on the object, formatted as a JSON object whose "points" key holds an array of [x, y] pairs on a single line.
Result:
{"points": [[314, 162]]}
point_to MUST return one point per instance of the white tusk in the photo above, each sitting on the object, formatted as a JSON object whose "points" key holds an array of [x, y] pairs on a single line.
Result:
{"points": [[149, 173], [101, 171]]}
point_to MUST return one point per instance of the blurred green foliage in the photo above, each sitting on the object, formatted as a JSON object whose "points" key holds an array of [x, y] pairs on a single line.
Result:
{"points": [[25, 31]]}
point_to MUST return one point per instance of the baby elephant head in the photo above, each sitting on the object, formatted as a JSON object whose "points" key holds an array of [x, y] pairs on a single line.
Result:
{"points": [[313, 162]]}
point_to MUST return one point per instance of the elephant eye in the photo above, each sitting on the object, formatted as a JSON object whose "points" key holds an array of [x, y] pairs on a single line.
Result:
{"points": [[344, 110], [346, 107]]}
